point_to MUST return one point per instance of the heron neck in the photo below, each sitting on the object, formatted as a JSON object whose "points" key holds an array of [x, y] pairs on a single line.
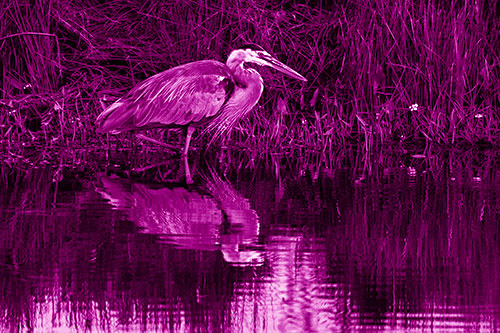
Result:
{"points": [[249, 87], [245, 77]]}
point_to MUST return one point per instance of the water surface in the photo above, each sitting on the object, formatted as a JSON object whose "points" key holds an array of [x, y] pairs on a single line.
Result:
{"points": [[412, 246]]}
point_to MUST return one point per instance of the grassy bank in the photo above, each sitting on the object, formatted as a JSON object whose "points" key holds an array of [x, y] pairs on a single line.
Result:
{"points": [[378, 73]]}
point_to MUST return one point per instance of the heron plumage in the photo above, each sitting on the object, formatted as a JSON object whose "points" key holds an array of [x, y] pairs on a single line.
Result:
{"points": [[241, 102], [185, 94]]}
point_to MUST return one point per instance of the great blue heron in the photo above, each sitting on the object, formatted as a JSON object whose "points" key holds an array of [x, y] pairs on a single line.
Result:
{"points": [[193, 94]]}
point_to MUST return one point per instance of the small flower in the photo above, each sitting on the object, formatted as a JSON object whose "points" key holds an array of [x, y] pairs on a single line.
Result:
{"points": [[413, 107]]}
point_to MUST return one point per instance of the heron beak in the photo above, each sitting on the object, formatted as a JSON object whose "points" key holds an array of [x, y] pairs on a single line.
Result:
{"points": [[265, 59]]}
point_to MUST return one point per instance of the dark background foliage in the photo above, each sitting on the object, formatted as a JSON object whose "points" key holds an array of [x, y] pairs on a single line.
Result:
{"points": [[379, 72]]}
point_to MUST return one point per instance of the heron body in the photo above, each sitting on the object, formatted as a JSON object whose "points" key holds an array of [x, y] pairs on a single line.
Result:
{"points": [[194, 94], [182, 95]]}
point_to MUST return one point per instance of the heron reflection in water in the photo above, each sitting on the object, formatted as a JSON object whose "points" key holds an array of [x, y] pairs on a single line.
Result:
{"points": [[212, 216], [205, 92]]}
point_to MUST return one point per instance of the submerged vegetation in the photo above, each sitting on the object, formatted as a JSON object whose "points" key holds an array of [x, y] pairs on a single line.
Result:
{"points": [[379, 72]]}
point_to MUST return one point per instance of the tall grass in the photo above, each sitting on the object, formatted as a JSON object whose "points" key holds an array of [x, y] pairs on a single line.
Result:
{"points": [[379, 72]]}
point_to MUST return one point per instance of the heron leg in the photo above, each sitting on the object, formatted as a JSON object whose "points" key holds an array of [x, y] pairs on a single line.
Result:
{"points": [[187, 170], [189, 134], [108, 147]]}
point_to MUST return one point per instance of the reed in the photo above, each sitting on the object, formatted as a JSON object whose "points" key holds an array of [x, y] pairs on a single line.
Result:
{"points": [[379, 73]]}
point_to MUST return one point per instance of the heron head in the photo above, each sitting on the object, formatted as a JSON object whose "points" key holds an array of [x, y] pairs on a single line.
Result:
{"points": [[252, 53]]}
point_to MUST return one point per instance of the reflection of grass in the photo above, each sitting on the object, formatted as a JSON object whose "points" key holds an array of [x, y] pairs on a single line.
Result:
{"points": [[66, 256], [428, 238], [406, 243], [377, 71], [431, 243]]}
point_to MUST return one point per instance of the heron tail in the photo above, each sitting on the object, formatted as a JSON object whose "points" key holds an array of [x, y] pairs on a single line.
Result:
{"points": [[112, 119]]}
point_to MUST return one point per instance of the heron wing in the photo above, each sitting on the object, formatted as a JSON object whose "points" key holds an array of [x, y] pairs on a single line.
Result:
{"points": [[181, 95]]}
